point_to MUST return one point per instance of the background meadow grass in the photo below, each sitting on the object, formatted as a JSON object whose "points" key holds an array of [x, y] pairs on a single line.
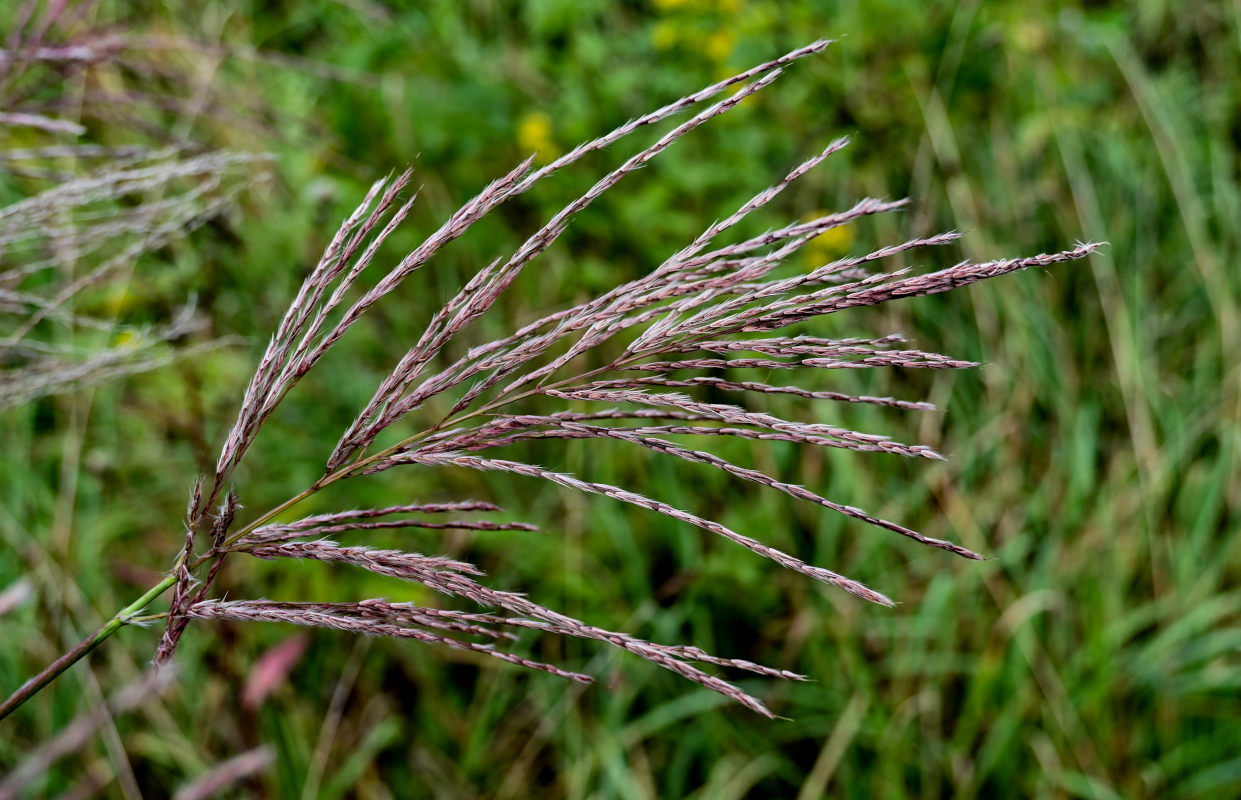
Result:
{"points": [[1094, 458]]}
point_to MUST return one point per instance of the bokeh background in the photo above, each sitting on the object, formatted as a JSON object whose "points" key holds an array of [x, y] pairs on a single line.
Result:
{"points": [[1094, 458]]}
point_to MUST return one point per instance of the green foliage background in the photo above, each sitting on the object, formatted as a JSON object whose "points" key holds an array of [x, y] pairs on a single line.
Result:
{"points": [[1094, 457]]}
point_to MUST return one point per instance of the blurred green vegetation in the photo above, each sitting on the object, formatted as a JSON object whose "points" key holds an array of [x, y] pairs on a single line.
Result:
{"points": [[1094, 457]]}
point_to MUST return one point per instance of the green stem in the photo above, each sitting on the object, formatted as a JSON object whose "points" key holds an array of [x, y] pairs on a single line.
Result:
{"points": [[32, 686], [127, 614]]}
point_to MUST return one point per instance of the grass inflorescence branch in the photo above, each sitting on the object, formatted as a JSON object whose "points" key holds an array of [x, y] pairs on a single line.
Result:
{"points": [[694, 313]]}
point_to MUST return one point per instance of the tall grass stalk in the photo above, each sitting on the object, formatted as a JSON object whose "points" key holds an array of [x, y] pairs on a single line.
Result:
{"points": [[689, 314]]}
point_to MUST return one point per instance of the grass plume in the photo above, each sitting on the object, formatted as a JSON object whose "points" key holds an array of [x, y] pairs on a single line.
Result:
{"points": [[688, 314]]}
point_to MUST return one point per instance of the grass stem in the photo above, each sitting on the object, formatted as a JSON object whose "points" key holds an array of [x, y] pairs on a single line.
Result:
{"points": [[32, 687]]}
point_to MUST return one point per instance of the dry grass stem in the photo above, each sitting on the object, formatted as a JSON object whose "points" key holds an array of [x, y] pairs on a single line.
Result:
{"points": [[78, 733], [226, 774]]}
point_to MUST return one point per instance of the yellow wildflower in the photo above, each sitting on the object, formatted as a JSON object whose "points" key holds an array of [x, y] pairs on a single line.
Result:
{"points": [[534, 134], [829, 245], [118, 300], [664, 6], [719, 45], [665, 35]]}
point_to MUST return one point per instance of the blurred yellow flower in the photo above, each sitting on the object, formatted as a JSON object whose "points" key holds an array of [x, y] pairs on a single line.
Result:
{"points": [[665, 35], [665, 6], [127, 340], [118, 299], [829, 245], [534, 135], [719, 45], [697, 25]]}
